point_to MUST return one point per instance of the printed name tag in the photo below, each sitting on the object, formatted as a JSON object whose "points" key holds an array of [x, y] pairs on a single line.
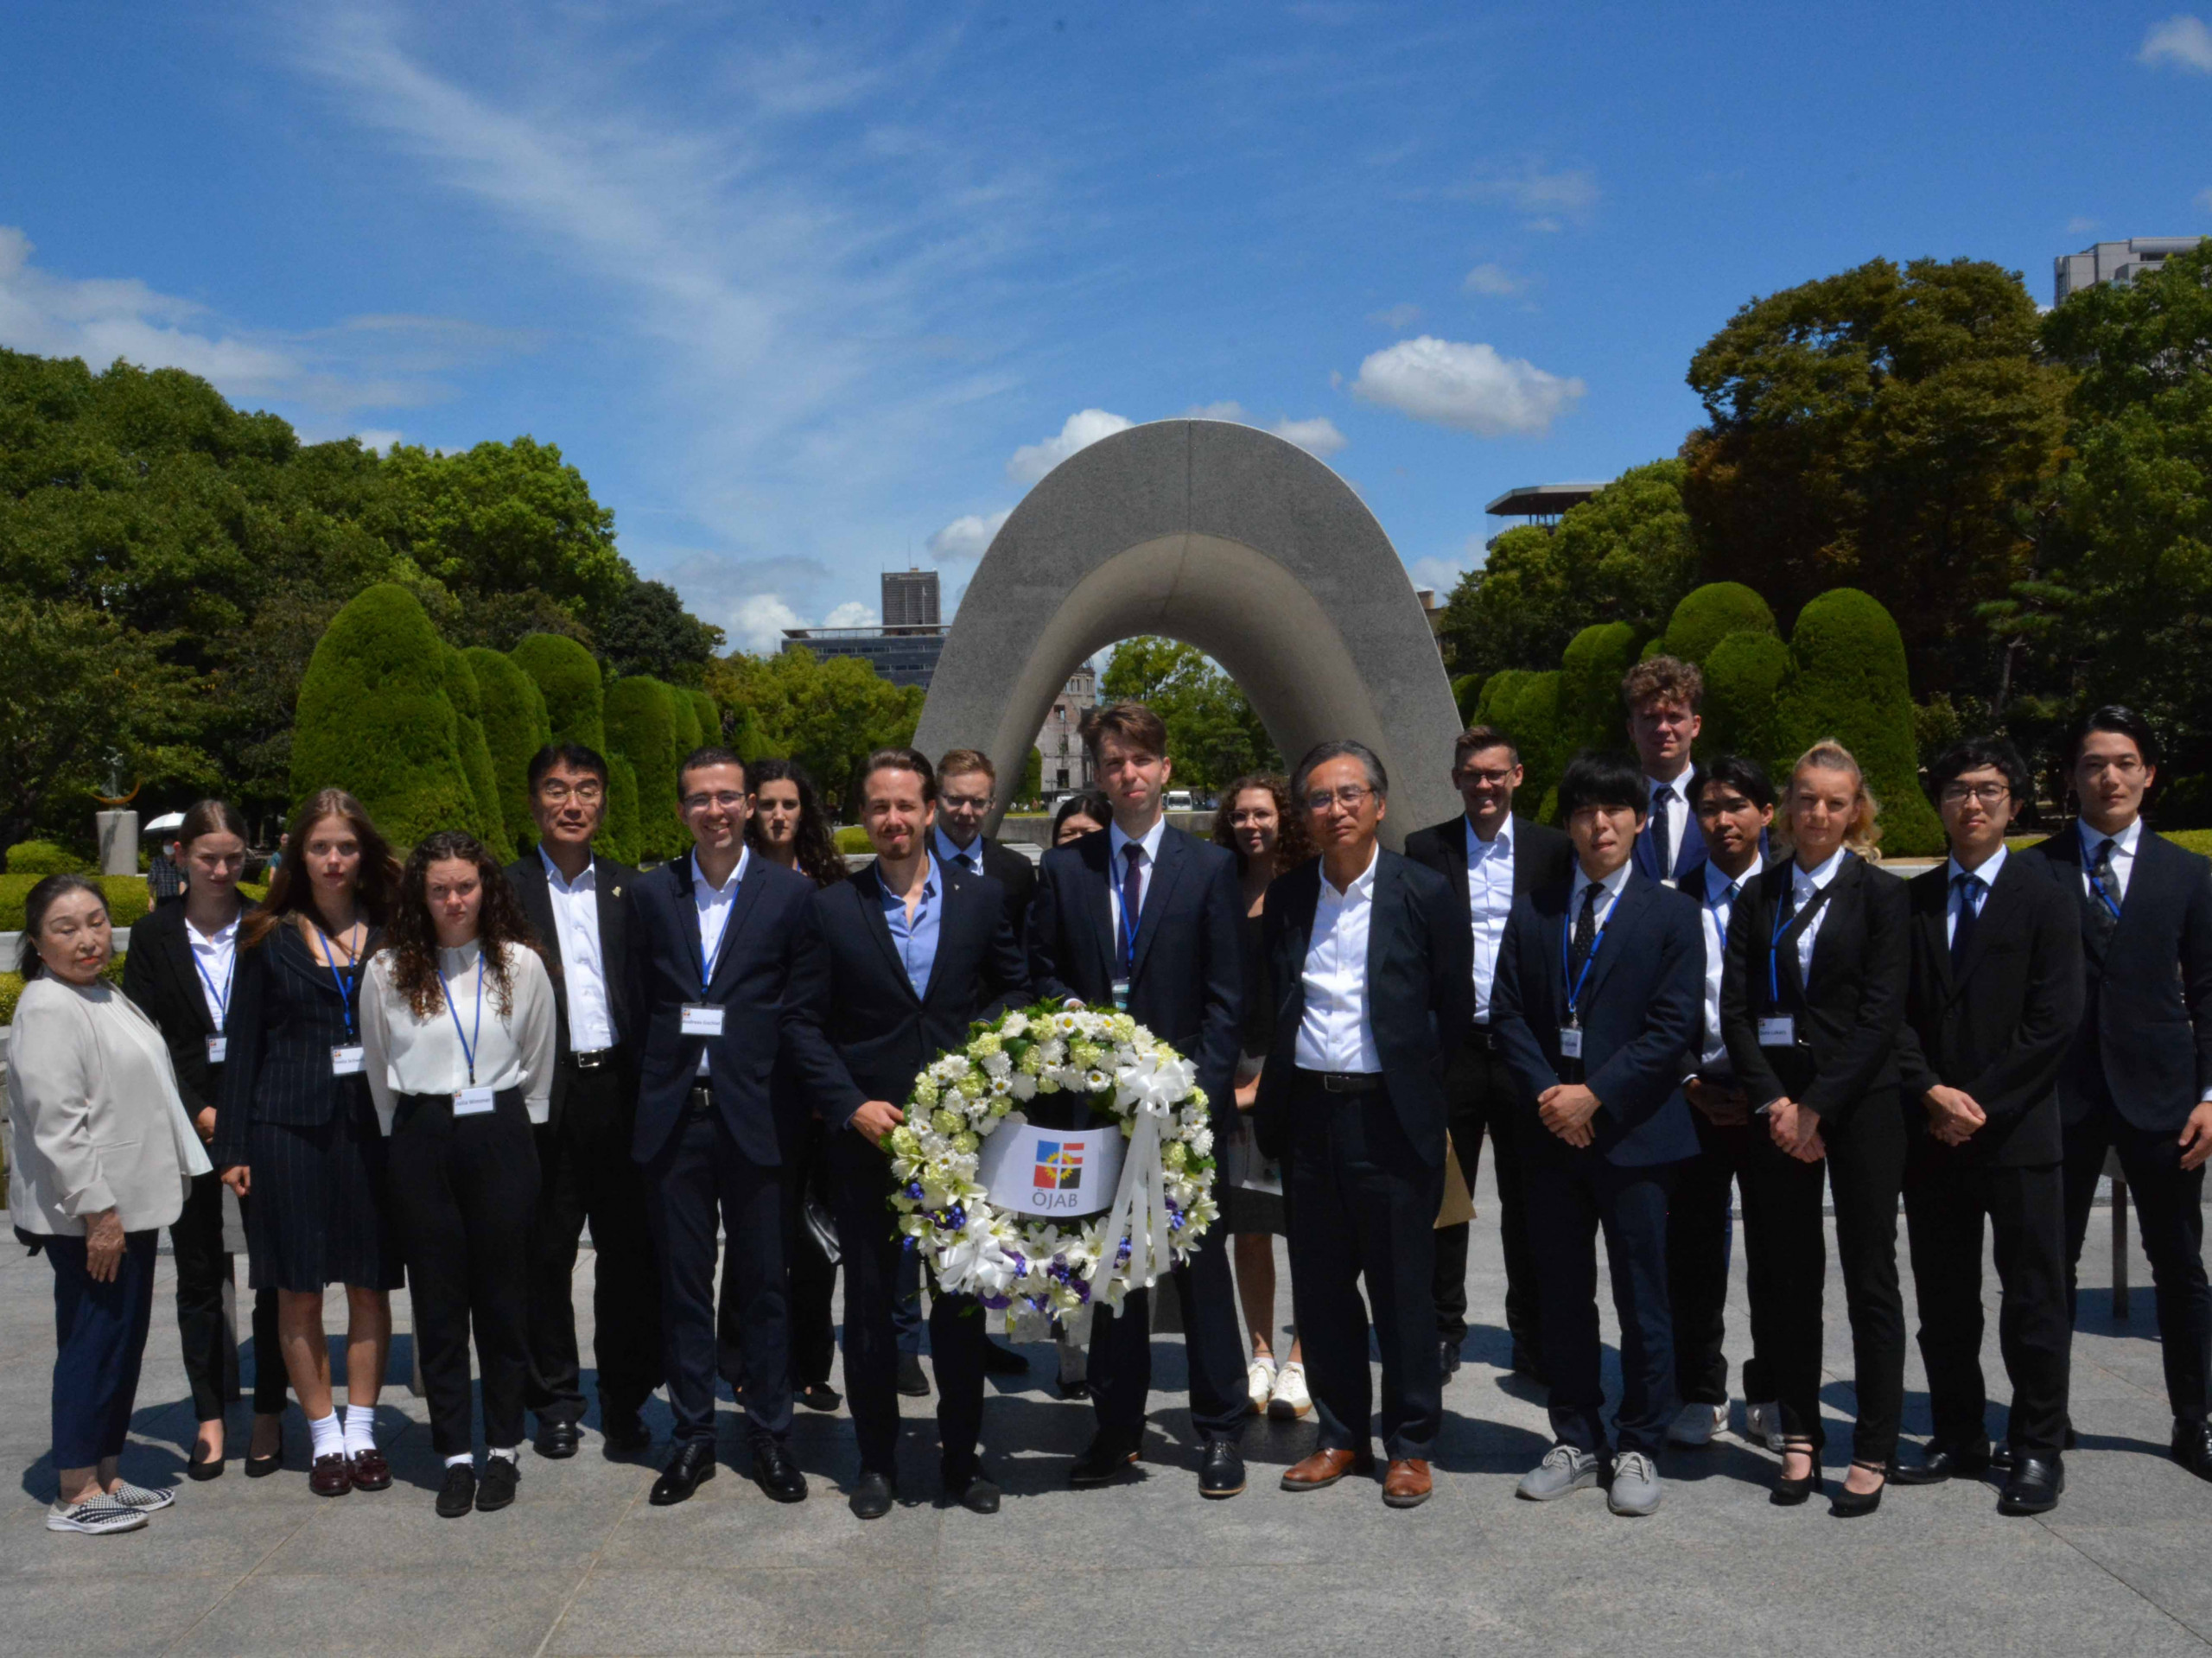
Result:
{"points": [[346, 1060], [474, 1102], [1121, 995], [217, 1047], [700, 1019], [1570, 1042], [1778, 1031]]}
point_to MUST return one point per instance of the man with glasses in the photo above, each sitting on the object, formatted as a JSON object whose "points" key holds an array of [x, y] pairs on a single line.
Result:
{"points": [[2139, 1078], [1992, 1003], [722, 944], [575, 900], [1373, 975]]}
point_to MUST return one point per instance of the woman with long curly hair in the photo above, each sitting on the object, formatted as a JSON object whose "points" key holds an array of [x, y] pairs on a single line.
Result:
{"points": [[294, 1132], [457, 1019], [788, 826]]}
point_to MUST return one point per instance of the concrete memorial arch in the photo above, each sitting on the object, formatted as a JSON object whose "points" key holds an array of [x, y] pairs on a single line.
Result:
{"points": [[1230, 539]]}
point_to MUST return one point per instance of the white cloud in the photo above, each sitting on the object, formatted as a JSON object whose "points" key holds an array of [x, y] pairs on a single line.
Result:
{"points": [[1228, 409], [967, 537], [1402, 316], [1318, 436], [2080, 224], [852, 614], [1470, 387], [1440, 575], [377, 440], [1080, 430], [1492, 279], [2181, 40], [1550, 199], [2204, 200], [757, 624]]}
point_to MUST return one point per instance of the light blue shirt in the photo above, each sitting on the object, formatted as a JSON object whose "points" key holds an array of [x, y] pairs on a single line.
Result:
{"points": [[914, 936], [969, 857]]}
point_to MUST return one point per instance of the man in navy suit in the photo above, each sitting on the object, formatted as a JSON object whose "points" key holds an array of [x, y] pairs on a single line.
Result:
{"points": [[1662, 696], [1144, 917], [1597, 1003], [2139, 1078], [722, 944], [917, 949], [1373, 974]]}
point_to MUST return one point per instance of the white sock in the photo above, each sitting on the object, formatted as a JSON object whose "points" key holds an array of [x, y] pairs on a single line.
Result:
{"points": [[511, 1452], [328, 1436], [466, 1459], [361, 1429]]}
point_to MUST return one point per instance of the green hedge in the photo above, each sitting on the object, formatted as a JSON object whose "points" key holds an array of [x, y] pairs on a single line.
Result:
{"points": [[44, 858], [1526, 704], [1467, 696], [711, 717], [617, 831], [127, 900], [1742, 675], [1590, 688], [490, 824], [374, 719], [641, 727], [1708, 614], [515, 729], [11, 990], [853, 838], [686, 714], [568, 680]]}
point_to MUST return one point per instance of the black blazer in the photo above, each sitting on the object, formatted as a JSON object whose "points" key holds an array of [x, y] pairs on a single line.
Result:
{"points": [[2146, 1040], [1642, 1009], [2000, 1024], [1541, 856], [1688, 850], [160, 976], [771, 955], [862, 1034], [1188, 988], [285, 1018], [1015, 874], [1850, 1011], [1420, 994], [610, 880]]}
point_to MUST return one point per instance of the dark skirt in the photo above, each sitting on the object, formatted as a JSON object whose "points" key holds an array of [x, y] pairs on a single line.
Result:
{"points": [[320, 1210]]}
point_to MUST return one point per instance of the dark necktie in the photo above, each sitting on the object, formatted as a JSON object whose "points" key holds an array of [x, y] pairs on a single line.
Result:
{"points": [[1132, 901], [2107, 907], [966, 860], [1661, 797], [1971, 888], [1586, 934]]}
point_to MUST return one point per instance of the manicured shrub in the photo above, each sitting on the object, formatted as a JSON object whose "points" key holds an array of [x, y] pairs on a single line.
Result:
{"points": [[568, 680], [1742, 676], [128, 900], [1466, 695], [685, 716], [44, 858], [617, 831], [1708, 614], [711, 717], [374, 718], [490, 823], [1526, 704], [641, 727], [853, 838], [1589, 714], [515, 729]]}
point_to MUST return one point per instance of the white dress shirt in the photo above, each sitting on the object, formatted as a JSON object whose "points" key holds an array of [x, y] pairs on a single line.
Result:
{"points": [[583, 968], [405, 1054], [714, 904], [1807, 885], [216, 957], [1719, 903], [2123, 856], [1678, 816], [1335, 1033], [1609, 893], [1116, 863], [1489, 901], [1956, 895]]}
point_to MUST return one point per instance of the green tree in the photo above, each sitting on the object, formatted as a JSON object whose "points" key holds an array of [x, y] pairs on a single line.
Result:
{"points": [[620, 835], [711, 717], [1590, 712], [568, 679], [490, 823], [515, 729], [1213, 735], [641, 728], [1526, 705], [1847, 681], [649, 632], [828, 715]]}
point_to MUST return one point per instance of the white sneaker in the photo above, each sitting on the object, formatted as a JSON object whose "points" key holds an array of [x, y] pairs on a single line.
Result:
{"points": [[1564, 1469], [95, 1516], [1260, 1383], [1762, 1425], [1635, 1490], [1290, 1400], [1695, 1424], [138, 1497]]}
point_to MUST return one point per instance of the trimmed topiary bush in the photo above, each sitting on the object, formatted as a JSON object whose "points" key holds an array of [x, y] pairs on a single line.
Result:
{"points": [[128, 900], [490, 826], [1742, 678], [1526, 705], [44, 858], [1590, 714], [711, 717], [1466, 697], [617, 831], [515, 729], [374, 718], [1708, 614], [641, 727], [568, 678], [686, 718]]}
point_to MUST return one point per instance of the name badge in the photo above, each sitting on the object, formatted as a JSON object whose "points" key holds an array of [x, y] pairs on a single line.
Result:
{"points": [[346, 1060], [1121, 995], [1778, 1031], [474, 1102], [1570, 1042], [217, 1046], [701, 1019]]}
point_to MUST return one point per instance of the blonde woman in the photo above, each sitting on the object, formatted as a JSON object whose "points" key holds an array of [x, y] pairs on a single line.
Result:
{"points": [[1812, 1001]]}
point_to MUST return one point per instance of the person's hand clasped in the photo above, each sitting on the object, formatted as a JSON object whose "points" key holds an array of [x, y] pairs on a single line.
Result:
{"points": [[103, 1246], [1953, 1116], [1725, 1108], [1796, 1130], [205, 1122], [1248, 1095], [238, 1177], [2196, 1137], [877, 1118], [1565, 1108]]}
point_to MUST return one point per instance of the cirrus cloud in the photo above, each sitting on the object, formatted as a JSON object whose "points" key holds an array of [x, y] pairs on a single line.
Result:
{"points": [[1469, 387], [2181, 40]]}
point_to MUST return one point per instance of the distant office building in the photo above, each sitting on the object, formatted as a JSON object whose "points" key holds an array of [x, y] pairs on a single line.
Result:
{"points": [[2114, 262], [910, 598], [904, 649], [1067, 763]]}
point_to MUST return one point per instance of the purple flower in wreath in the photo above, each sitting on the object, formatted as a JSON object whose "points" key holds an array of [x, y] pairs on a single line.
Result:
{"points": [[995, 1302]]}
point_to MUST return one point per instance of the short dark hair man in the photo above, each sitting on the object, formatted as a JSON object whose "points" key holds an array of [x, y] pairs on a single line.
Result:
{"points": [[967, 786], [1491, 855], [1597, 1003], [1663, 697]]}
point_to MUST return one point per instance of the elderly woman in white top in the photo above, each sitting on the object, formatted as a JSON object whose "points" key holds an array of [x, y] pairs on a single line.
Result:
{"points": [[102, 1156], [457, 1021]]}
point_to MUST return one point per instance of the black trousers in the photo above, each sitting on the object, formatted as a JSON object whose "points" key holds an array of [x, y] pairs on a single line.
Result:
{"points": [[860, 1184], [1363, 1206], [1480, 1092], [1700, 1231], [1574, 1195], [100, 1342], [2170, 1215], [203, 1271], [1946, 1197], [464, 1191], [585, 1174], [1864, 1168], [698, 1177], [812, 1280]]}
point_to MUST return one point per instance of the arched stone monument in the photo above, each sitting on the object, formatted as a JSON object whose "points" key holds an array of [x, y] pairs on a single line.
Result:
{"points": [[1230, 539]]}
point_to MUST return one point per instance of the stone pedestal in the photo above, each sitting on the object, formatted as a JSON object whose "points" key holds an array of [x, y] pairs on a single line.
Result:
{"points": [[118, 834]]}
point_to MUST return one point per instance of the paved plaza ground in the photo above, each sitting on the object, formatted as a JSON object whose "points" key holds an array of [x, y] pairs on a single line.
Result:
{"points": [[582, 1565]]}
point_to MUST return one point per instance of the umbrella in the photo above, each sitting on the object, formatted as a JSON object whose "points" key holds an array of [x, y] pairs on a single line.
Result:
{"points": [[166, 821]]}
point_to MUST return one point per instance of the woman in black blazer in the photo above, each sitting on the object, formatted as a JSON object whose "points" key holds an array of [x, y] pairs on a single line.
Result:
{"points": [[181, 970], [1812, 1001], [295, 1131]]}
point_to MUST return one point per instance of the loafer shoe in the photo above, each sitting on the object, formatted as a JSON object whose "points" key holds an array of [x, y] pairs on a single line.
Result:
{"points": [[1635, 1490], [1407, 1485], [370, 1471], [2034, 1486], [1222, 1473], [2192, 1447], [873, 1495], [330, 1476], [1564, 1470], [977, 1495], [1326, 1468]]}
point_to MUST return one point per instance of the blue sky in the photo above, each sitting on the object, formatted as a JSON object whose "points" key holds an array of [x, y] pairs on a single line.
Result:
{"points": [[807, 290]]}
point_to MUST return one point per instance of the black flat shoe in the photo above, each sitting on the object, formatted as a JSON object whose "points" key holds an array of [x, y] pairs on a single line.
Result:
{"points": [[1073, 1389], [497, 1489], [776, 1474], [872, 1496], [2034, 1487], [2192, 1447], [202, 1468], [692, 1467], [977, 1495], [626, 1432], [1222, 1473], [1850, 1504], [263, 1467], [1000, 1360], [820, 1395], [1447, 1354], [458, 1494], [1791, 1493], [558, 1441], [1941, 1462], [1101, 1464], [912, 1380]]}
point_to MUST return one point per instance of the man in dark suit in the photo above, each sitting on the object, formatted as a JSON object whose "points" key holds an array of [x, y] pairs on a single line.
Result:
{"points": [[916, 951], [575, 900], [1143, 916], [1597, 1007], [722, 944], [2139, 1078], [1491, 857], [1374, 977], [1662, 696], [1994, 1002]]}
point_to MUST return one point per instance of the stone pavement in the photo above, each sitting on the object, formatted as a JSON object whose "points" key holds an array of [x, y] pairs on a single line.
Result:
{"points": [[582, 1565]]}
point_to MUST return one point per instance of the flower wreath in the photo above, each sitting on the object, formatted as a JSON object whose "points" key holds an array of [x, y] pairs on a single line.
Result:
{"points": [[1038, 1270]]}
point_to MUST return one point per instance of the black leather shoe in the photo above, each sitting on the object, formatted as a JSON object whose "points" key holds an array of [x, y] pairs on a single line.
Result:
{"points": [[203, 1468], [1000, 1360], [1222, 1473], [497, 1489], [2034, 1486], [912, 1380], [626, 1432], [1447, 1353], [1848, 1504], [1940, 1462], [820, 1395], [2001, 1454], [872, 1496], [557, 1440], [776, 1474], [692, 1467], [1099, 1466], [458, 1494], [2193, 1447], [977, 1495]]}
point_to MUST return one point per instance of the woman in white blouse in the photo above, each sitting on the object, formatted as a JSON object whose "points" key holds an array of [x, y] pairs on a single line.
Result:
{"points": [[457, 1021], [101, 1157]]}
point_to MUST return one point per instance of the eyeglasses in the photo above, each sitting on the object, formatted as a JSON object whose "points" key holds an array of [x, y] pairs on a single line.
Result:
{"points": [[965, 803], [729, 800], [1493, 779], [1348, 797], [1987, 794], [556, 794]]}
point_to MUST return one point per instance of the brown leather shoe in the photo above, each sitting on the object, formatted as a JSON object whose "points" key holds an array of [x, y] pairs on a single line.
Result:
{"points": [[329, 1476], [1407, 1485], [369, 1471], [1326, 1468]]}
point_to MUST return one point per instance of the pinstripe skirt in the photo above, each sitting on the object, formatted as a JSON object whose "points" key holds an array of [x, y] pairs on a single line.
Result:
{"points": [[321, 1213]]}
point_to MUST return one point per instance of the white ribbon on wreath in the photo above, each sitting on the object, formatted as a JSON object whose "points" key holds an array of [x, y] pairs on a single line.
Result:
{"points": [[1139, 1210]]}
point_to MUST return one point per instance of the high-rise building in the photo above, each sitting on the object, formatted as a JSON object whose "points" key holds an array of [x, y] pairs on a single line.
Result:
{"points": [[2114, 262], [904, 649], [910, 598]]}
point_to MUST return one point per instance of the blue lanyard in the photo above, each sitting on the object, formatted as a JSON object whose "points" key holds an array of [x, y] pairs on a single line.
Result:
{"points": [[1566, 955], [230, 977], [467, 1043], [1781, 924], [345, 985], [722, 939]]}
